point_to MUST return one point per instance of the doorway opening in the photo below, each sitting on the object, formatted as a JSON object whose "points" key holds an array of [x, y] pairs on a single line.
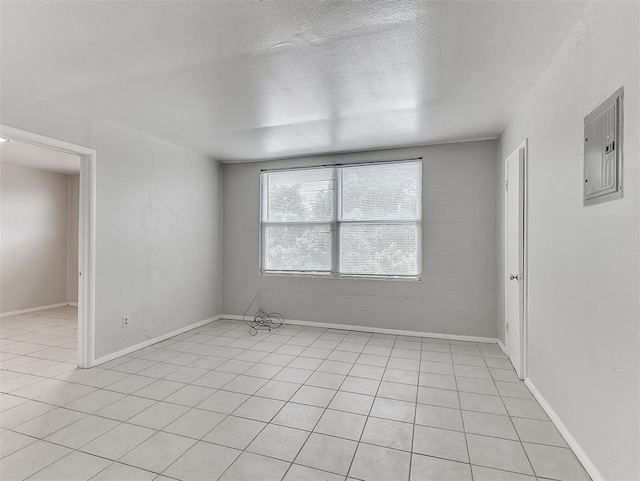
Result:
{"points": [[48, 244], [515, 261]]}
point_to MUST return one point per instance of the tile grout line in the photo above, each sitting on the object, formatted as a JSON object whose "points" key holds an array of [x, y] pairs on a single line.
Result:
{"points": [[273, 417], [355, 452], [126, 359], [303, 384], [415, 415], [285, 402], [78, 450], [189, 407], [271, 457], [328, 404], [518, 436], [218, 412], [226, 415], [197, 440]]}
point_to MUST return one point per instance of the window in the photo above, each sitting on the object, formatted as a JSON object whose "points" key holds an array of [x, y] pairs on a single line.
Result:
{"points": [[350, 220]]}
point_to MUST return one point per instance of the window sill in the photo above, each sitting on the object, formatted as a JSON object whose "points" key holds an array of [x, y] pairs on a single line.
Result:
{"points": [[327, 275]]}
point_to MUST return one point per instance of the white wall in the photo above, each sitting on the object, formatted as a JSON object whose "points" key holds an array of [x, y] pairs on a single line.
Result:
{"points": [[457, 294], [583, 261], [158, 214], [158, 243], [73, 198], [33, 238]]}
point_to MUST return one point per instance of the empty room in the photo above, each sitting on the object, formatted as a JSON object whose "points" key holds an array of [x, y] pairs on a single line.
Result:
{"points": [[318, 240], [39, 257]]}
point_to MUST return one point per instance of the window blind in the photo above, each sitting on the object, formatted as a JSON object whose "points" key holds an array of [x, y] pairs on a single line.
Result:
{"points": [[352, 220]]}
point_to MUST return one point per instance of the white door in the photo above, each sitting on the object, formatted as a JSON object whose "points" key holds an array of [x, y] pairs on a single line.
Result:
{"points": [[514, 261]]}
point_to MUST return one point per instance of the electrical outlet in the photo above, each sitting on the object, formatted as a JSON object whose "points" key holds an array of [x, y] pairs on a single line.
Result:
{"points": [[125, 321]]}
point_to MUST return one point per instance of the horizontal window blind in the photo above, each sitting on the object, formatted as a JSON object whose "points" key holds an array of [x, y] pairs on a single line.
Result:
{"points": [[379, 249], [353, 220], [299, 196], [295, 247], [381, 192]]}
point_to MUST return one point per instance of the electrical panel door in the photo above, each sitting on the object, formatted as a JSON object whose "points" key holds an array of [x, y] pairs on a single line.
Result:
{"points": [[603, 152]]}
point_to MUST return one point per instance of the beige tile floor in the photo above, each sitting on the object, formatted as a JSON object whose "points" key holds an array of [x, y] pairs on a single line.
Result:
{"points": [[295, 404]]}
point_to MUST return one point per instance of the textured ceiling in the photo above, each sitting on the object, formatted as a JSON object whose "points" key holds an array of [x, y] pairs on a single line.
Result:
{"points": [[249, 80]]}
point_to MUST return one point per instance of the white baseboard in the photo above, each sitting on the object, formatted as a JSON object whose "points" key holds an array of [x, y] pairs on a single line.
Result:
{"points": [[32, 309], [566, 434], [149, 342], [73, 304], [502, 346], [378, 330]]}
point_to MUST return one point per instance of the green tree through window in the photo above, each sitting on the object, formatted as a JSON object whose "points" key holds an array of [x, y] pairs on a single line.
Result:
{"points": [[360, 220]]}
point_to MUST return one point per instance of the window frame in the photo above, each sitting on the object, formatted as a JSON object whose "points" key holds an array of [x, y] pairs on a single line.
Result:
{"points": [[335, 224]]}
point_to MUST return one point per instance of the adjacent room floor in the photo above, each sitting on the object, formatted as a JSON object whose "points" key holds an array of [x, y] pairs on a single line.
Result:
{"points": [[298, 403]]}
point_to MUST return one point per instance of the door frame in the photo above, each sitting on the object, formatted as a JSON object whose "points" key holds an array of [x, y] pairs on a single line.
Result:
{"points": [[86, 234], [523, 152]]}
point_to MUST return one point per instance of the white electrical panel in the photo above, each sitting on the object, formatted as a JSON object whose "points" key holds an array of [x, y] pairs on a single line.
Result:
{"points": [[603, 151]]}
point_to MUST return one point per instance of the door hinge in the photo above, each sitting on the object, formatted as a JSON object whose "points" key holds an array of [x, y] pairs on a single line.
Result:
{"points": [[506, 327], [506, 185]]}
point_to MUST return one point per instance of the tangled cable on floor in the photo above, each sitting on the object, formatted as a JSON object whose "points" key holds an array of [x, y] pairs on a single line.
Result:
{"points": [[262, 320]]}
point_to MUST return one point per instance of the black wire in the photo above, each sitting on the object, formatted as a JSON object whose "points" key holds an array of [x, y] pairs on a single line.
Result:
{"points": [[262, 320]]}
